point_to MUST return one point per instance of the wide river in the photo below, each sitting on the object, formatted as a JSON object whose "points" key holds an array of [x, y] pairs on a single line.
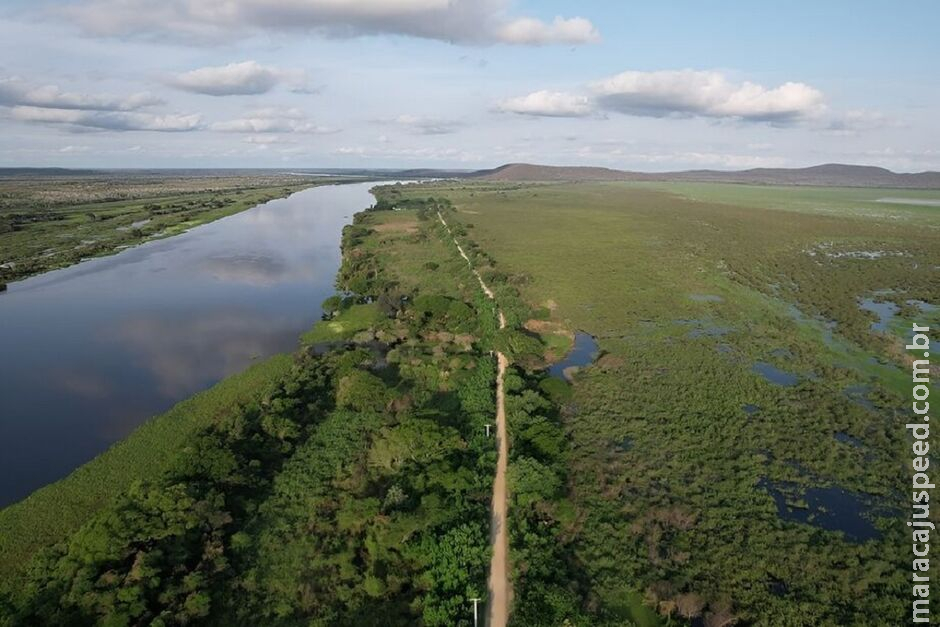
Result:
{"points": [[89, 352]]}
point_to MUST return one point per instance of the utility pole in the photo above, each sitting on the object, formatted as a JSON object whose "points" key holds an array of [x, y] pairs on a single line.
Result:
{"points": [[488, 429], [475, 601]]}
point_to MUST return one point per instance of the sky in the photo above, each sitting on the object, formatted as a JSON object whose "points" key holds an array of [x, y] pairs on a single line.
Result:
{"points": [[649, 86]]}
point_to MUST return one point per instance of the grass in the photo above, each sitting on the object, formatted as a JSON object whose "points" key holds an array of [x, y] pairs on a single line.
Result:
{"points": [[51, 513], [359, 317], [686, 286], [872, 202]]}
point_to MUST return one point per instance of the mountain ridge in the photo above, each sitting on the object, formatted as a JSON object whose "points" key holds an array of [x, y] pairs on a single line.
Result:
{"points": [[827, 174]]}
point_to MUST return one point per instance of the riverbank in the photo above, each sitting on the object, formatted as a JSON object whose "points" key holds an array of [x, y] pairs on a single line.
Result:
{"points": [[47, 223], [52, 513], [94, 350]]}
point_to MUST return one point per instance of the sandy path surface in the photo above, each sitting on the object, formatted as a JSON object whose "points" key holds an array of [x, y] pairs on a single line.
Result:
{"points": [[500, 590]]}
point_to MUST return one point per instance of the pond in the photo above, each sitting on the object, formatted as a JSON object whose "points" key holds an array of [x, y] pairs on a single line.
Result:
{"points": [[774, 374], [92, 351], [831, 508], [583, 353], [885, 310]]}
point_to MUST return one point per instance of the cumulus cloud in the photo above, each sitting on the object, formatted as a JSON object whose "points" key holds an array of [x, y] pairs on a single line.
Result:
{"points": [[691, 93], [108, 120], [15, 91], [454, 21], [548, 104], [49, 104], [529, 31], [241, 79], [271, 120], [234, 79], [679, 94]]}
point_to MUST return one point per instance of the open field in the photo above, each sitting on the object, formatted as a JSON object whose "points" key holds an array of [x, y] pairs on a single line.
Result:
{"points": [[738, 450], [49, 222]]}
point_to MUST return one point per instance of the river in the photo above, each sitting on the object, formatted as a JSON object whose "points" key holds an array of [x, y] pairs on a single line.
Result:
{"points": [[91, 351]]}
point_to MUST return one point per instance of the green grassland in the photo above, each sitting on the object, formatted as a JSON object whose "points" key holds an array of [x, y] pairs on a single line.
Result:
{"points": [[687, 287], [345, 325], [891, 204], [47, 224]]}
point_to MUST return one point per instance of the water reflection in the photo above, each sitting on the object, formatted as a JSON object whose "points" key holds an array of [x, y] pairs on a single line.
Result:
{"points": [[91, 351]]}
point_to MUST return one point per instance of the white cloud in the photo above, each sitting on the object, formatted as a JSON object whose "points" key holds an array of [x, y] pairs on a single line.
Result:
{"points": [[234, 79], [691, 93], [271, 120], [530, 31], [15, 91], [548, 104], [454, 21], [678, 93], [108, 120], [49, 104]]}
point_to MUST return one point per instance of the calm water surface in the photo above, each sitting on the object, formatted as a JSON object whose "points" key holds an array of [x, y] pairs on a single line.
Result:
{"points": [[91, 351], [582, 353]]}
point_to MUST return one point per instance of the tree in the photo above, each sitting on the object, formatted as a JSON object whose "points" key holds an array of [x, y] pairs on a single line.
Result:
{"points": [[531, 481], [413, 440], [690, 605], [362, 391]]}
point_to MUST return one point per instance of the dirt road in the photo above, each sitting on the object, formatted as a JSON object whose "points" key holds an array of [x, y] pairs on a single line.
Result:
{"points": [[500, 590]]}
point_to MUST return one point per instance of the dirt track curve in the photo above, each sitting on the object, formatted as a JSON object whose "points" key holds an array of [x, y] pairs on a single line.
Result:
{"points": [[500, 591]]}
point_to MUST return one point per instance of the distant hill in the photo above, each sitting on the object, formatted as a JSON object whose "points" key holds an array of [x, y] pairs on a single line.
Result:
{"points": [[23, 172], [531, 172], [830, 174]]}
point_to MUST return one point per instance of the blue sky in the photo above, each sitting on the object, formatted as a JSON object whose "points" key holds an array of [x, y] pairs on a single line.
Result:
{"points": [[461, 83]]}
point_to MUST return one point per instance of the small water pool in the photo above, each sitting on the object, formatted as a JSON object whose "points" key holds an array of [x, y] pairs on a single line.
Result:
{"points": [[831, 508], [583, 353], [774, 374]]}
